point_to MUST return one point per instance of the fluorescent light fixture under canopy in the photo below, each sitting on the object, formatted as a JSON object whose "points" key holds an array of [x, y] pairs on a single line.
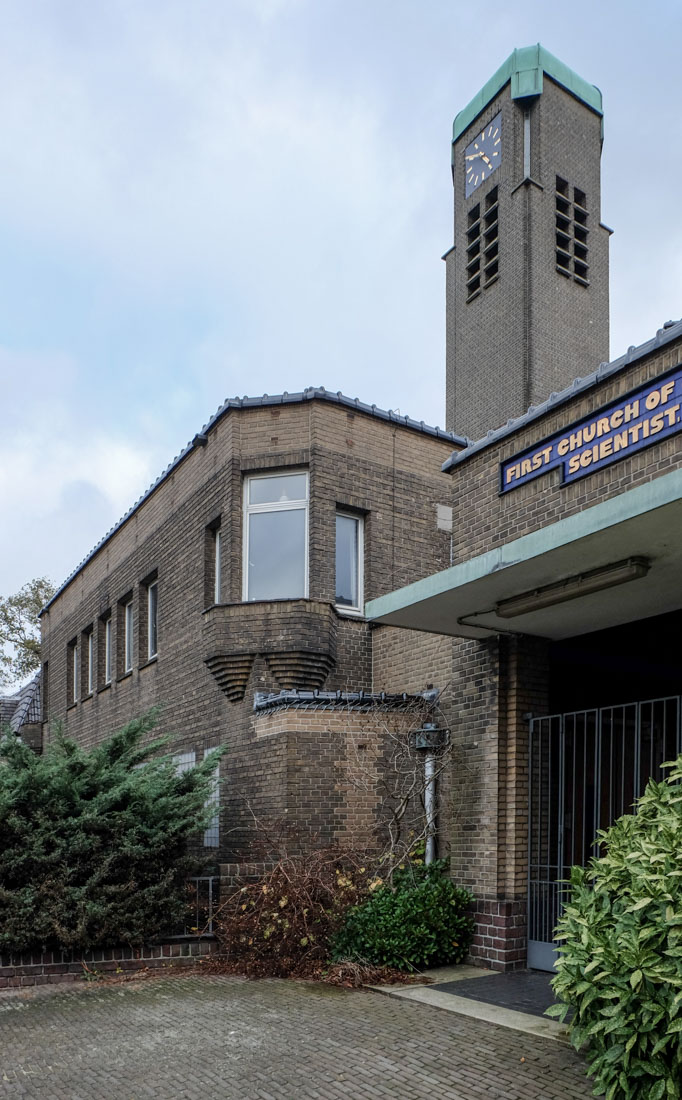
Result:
{"points": [[582, 584]]}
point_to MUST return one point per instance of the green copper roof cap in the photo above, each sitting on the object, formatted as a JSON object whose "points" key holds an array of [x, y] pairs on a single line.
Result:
{"points": [[525, 69]]}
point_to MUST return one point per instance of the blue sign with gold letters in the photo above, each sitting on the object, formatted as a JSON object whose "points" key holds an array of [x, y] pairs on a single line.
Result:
{"points": [[643, 417]]}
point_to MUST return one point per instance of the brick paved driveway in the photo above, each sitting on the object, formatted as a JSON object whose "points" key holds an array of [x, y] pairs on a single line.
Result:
{"points": [[213, 1037]]}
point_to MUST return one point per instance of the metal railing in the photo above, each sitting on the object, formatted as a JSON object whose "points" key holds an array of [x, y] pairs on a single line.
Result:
{"points": [[203, 898], [587, 768]]}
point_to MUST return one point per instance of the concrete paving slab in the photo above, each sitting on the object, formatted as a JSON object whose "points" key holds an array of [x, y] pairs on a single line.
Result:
{"points": [[441, 992]]}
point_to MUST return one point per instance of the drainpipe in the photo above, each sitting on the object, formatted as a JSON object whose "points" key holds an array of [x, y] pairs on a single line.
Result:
{"points": [[430, 805], [427, 740]]}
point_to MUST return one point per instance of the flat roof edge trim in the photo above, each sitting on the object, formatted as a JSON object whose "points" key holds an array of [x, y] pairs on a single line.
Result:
{"points": [[524, 60], [312, 393]]}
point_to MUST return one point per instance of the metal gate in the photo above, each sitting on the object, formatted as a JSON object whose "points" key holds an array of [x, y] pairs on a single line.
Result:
{"points": [[586, 770]]}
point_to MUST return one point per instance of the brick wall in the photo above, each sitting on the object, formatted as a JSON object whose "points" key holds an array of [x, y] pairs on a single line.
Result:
{"points": [[522, 336], [57, 967], [384, 471], [489, 687], [330, 769], [482, 519]]}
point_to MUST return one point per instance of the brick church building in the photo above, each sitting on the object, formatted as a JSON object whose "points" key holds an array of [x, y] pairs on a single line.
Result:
{"points": [[309, 568]]}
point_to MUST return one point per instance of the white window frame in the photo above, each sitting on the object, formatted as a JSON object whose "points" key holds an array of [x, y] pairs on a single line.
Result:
{"points": [[91, 660], [217, 565], [184, 761], [74, 670], [107, 650], [347, 609], [152, 620], [275, 506], [212, 831], [128, 634]]}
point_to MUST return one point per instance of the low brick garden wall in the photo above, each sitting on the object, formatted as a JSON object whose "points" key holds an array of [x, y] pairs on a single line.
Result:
{"points": [[71, 966]]}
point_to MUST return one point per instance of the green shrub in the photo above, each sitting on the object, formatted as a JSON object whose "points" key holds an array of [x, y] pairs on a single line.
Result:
{"points": [[420, 920], [94, 845], [620, 964]]}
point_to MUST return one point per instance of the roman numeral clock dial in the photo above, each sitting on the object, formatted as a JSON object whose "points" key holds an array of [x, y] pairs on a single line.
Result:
{"points": [[483, 155]]}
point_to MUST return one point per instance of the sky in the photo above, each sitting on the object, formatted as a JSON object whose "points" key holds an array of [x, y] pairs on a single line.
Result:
{"points": [[202, 199]]}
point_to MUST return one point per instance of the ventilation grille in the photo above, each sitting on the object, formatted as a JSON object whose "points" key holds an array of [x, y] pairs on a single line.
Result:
{"points": [[571, 218], [482, 245]]}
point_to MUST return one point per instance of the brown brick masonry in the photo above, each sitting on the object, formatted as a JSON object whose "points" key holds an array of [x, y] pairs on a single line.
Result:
{"points": [[500, 939], [52, 967]]}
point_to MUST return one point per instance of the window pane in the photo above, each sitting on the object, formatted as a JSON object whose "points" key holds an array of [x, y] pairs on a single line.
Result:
{"points": [[107, 651], [212, 833], [274, 490], [128, 637], [347, 589], [216, 565], [153, 604], [91, 641], [276, 567]]}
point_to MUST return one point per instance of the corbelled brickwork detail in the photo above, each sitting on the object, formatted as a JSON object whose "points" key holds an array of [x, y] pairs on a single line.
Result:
{"points": [[232, 673], [297, 668]]}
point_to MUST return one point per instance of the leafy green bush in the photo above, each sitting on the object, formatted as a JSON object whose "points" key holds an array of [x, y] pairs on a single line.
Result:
{"points": [[94, 845], [420, 920], [620, 964]]}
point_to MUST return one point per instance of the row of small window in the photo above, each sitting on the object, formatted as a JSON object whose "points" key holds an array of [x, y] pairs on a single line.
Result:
{"points": [[276, 544], [82, 658]]}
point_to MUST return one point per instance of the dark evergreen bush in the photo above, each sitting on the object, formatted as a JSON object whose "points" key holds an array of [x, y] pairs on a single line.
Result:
{"points": [[94, 845], [420, 920], [621, 959]]}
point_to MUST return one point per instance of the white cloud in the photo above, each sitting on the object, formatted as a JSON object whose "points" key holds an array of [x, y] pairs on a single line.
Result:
{"points": [[63, 479]]}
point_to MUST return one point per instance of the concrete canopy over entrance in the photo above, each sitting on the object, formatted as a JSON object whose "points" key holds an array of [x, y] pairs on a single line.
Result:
{"points": [[644, 523]]}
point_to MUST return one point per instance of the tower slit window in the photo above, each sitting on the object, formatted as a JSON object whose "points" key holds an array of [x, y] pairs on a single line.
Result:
{"points": [[482, 244], [473, 252], [571, 222]]}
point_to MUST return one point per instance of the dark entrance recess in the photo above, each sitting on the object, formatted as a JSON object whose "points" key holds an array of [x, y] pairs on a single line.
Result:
{"points": [[641, 660]]}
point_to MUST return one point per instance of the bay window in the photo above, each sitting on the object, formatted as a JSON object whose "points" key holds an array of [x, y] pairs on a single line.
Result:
{"points": [[276, 536]]}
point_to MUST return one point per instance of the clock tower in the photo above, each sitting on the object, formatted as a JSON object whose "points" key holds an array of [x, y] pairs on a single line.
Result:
{"points": [[527, 275]]}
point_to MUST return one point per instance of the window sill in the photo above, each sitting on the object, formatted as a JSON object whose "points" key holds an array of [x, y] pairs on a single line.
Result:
{"points": [[125, 676], [71, 706], [348, 612], [86, 697], [151, 661], [104, 687]]}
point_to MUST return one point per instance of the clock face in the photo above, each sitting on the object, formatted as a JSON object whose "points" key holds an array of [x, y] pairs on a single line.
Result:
{"points": [[484, 155]]}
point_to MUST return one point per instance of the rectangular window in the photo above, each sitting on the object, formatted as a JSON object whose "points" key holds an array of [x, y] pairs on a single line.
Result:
{"points": [[216, 566], [128, 636], [276, 537], [212, 832], [152, 619], [349, 562], [184, 761], [72, 673], [90, 670], [107, 650], [43, 690]]}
